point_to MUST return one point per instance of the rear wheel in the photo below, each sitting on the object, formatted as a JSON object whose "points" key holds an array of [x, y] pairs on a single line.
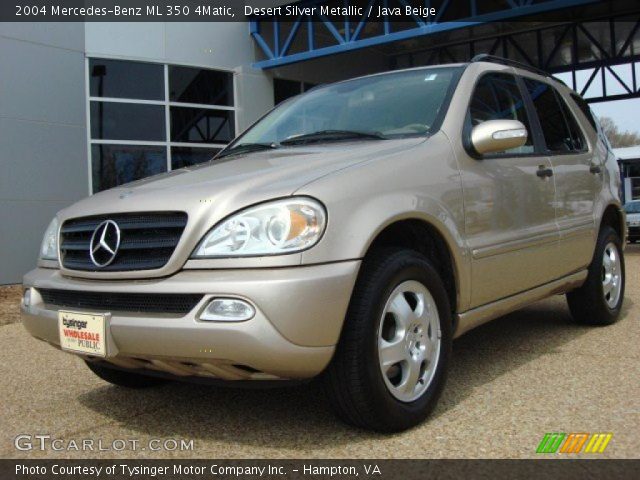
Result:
{"points": [[599, 300], [390, 364], [123, 378]]}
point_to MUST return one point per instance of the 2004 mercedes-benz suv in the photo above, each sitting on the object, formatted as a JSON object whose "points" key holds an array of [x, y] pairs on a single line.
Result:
{"points": [[351, 233]]}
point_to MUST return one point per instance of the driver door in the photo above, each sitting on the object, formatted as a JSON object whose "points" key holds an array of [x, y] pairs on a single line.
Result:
{"points": [[510, 221]]}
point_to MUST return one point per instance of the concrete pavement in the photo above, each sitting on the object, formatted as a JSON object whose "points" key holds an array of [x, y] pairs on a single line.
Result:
{"points": [[512, 381]]}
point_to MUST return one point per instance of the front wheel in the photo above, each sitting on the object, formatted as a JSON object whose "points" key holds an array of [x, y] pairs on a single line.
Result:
{"points": [[391, 362], [599, 300]]}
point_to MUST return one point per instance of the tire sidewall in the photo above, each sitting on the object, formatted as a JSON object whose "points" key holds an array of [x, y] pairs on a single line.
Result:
{"points": [[608, 236], [406, 266]]}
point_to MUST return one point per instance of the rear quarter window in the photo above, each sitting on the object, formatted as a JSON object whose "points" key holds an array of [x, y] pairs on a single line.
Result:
{"points": [[584, 107]]}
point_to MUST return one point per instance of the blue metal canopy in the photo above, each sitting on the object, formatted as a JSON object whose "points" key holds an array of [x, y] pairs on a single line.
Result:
{"points": [[343, 34]]}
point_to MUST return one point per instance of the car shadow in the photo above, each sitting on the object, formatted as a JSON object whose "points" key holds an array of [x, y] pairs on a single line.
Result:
{"points": [[506, 343], [300, 416]]}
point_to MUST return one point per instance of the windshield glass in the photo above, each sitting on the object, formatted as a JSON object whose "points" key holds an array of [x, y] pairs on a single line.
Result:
{"points": [[391, 105], [632, 207]]}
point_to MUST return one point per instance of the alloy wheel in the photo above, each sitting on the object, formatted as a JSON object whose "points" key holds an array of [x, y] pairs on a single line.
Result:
{"points": [[611, 275], [409, 341]]}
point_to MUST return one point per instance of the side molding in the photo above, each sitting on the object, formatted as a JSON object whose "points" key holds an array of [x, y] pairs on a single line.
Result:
{"points": [[479, 315]]}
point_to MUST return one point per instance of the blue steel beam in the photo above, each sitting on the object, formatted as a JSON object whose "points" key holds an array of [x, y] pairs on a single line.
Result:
{"points": [[609, 75], [277, 56]]}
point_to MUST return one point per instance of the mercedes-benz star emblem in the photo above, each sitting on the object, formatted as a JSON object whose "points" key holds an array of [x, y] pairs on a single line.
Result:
{"points": [[105, 242]]}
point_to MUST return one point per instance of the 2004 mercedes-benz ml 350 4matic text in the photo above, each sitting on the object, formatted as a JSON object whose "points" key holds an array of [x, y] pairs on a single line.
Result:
{"points": [[351, 234]]}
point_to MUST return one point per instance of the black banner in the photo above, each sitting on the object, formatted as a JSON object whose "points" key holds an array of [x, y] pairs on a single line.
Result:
{"points": [[315, 469], [387, 11]]}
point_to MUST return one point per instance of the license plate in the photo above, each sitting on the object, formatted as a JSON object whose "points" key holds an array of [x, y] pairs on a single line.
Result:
{"points": [[83, 332]]}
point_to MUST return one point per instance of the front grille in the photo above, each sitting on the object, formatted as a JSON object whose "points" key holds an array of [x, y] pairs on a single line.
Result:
{"points": [[121, 302], [147, 240]]}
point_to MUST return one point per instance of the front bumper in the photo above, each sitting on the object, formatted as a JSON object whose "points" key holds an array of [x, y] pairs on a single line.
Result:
{"points": [[299, 315]]}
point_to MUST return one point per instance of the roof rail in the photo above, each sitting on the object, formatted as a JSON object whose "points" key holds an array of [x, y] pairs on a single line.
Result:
{"points": [[485, 57]]}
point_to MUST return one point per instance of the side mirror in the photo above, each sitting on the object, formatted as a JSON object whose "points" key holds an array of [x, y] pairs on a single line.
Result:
{"points": [[498, 135]]}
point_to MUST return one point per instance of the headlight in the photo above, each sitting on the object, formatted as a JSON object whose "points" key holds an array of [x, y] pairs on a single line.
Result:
{"points": [[272, 228], [49, 247]]}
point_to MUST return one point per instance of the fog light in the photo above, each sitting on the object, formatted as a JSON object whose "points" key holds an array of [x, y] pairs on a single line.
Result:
{"points": [[26, 298], [227, 310]]}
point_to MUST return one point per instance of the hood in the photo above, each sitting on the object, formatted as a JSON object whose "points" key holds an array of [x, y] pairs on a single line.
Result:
{"points": [[239, 180], [213, 191]]}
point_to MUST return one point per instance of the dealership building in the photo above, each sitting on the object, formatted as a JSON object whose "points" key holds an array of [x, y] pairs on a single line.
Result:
{"points": [[89, 106]]}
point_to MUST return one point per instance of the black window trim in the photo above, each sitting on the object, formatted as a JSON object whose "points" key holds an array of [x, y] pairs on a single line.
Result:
{"points": [[567, 108], [561, 100], [534, 125], [591, 118]]}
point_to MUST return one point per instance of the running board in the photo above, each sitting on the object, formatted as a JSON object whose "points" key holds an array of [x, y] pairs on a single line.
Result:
{"points": [[479, 315]]}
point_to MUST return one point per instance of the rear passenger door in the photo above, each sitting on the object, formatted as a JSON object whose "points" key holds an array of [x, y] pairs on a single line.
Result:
{"points": [[576, 170], [508, 199]]}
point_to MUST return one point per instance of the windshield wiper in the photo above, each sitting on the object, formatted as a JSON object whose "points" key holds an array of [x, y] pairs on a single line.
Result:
{"points": [[247, 147], [323, 135]]}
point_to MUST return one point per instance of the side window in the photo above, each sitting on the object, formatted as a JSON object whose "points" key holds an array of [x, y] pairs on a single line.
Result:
{"points": [[584, 106], [577, 139], [497, 97], [559, 127]]}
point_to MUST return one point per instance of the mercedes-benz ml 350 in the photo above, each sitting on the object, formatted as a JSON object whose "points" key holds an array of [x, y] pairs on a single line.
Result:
{"points": [[350, 234]]}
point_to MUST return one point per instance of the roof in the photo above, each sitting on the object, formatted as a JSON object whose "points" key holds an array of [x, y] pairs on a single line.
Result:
{"points": [[627, 153]]}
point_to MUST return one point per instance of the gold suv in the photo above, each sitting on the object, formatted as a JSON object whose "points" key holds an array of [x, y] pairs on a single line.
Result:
{"points": [[352, 233]]}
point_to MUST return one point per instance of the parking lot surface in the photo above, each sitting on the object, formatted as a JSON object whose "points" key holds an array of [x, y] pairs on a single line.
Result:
{"points": [[511, 381]]}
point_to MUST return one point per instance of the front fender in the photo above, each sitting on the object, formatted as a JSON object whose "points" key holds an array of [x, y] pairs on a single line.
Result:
{"points": [[363, 201]]}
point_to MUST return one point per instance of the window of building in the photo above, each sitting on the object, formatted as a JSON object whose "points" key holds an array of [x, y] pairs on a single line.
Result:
{"points": [[147, 118], [498, 97], [118, 79], [559, 127], [205, 87], [283, 89]]}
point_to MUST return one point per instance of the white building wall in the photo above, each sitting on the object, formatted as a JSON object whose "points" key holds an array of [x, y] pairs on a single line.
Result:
{"points": [[43, 165], [43, 137]]}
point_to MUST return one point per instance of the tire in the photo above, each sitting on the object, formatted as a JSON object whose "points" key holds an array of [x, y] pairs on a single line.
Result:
{"points": [[591, 304], [123, 378], [354, 381]]}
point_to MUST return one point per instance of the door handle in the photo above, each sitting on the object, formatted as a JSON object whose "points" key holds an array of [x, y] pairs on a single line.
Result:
{"points": [[544, 171], [595, 169]]}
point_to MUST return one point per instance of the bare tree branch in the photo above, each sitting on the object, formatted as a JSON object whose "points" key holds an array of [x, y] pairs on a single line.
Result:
{"points": [[616, 137]]}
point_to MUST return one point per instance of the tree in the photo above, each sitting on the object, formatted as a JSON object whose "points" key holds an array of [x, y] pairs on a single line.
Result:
{"points": [[616, 137]]}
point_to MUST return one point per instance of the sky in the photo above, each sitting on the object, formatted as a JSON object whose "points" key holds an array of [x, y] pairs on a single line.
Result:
{"points": [[625, 113]]}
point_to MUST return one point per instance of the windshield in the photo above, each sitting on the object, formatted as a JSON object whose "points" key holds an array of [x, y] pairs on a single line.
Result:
{"points": [[392, 105], [632, 207]]}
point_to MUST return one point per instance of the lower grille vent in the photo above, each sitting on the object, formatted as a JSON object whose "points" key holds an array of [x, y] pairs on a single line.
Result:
{"points": [[121, 302]]}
